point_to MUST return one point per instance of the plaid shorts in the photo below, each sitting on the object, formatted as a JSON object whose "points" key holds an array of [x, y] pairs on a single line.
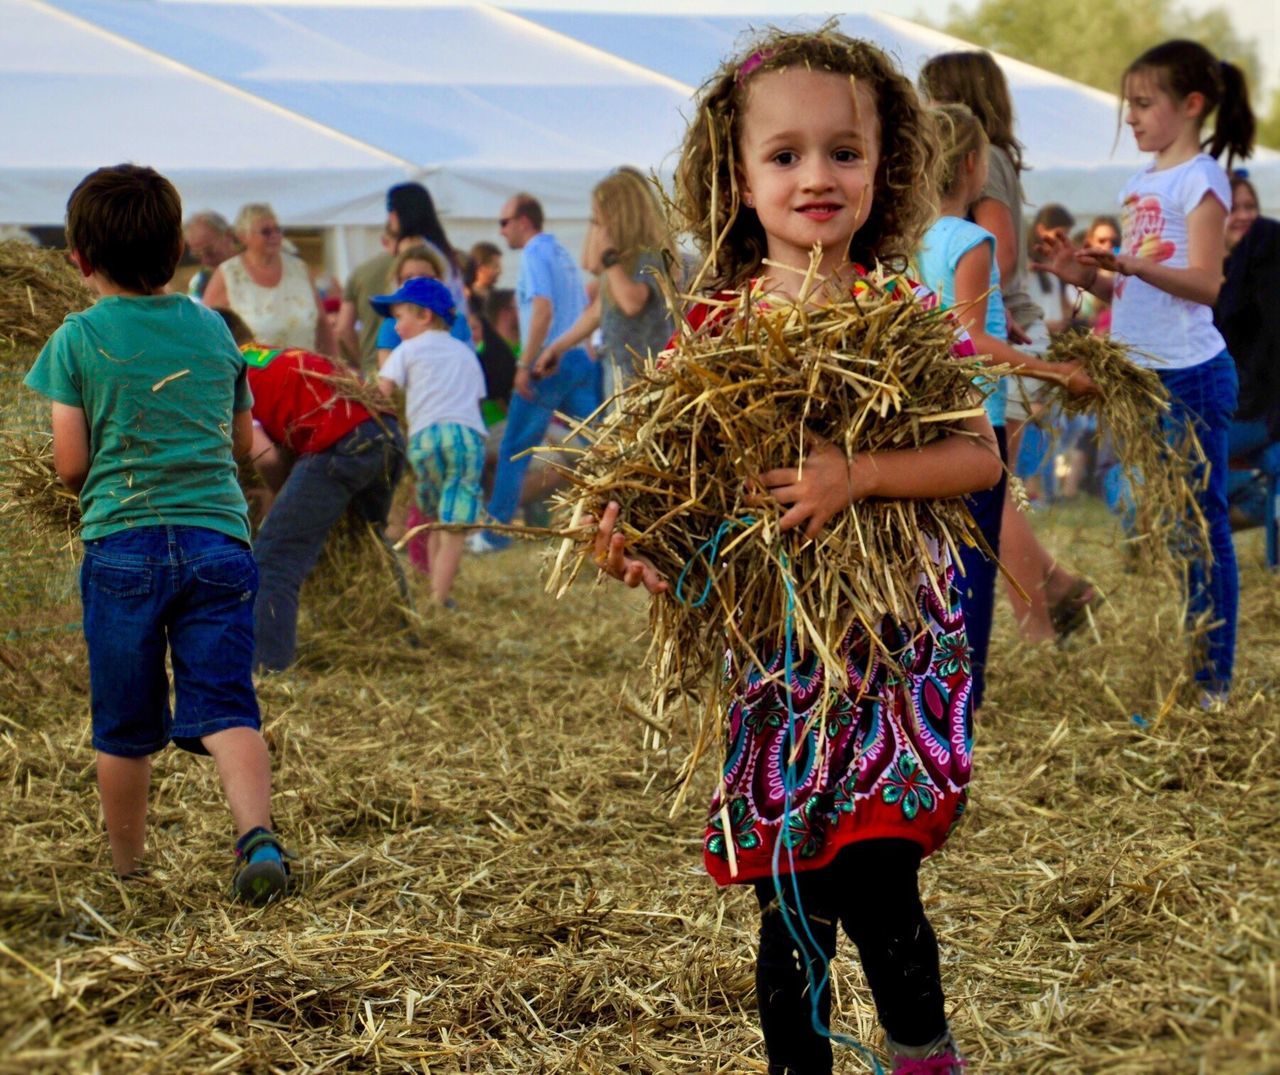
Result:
{"points": [[448, 460]]}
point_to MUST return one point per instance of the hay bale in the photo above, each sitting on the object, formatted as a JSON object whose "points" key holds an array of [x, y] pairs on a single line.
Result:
{"points": [[681, 447], [357, 599], [30, 488], [38, 288]]}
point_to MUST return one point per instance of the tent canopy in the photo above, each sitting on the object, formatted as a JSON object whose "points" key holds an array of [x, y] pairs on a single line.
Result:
{"points": [[318, 106], [1069, 129], [485, 101], [75, 98]]}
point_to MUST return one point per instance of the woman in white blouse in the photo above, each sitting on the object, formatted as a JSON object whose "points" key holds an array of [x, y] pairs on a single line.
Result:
{"points": [[270, 289]]}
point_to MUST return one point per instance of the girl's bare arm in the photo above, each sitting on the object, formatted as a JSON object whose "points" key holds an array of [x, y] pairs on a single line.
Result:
{"points": [[1201, 279], [997, 218]]}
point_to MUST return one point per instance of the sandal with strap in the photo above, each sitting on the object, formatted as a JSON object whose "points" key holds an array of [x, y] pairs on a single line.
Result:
{"points": [[1071, 611], [262, 868]]}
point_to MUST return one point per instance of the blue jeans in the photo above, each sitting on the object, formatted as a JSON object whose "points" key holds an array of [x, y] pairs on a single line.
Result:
{"points": [[1251, 443], [185, 590], [362, 471], [573, 389], [1206, 394], [978, 587]]}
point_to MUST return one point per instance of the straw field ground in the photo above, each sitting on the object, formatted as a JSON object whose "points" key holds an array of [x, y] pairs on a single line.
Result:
{"points": [[491, 881]]}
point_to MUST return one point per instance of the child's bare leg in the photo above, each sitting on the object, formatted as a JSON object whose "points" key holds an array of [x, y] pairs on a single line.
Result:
{"points": [[1025, 559], [124, 784], [445, 558], [244, 767]]}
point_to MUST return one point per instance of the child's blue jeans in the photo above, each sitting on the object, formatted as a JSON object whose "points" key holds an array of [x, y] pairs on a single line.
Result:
{"points": [[574, 389], [1207, 395], [362, 470], [186, 590], [978, 587]]}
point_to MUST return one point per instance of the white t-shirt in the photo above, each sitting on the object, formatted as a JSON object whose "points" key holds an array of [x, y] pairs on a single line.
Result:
{"points": [[1166, 332], [442, 380]]}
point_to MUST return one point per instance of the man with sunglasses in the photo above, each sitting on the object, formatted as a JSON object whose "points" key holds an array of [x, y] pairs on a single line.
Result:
{"points": [[550, 297]]}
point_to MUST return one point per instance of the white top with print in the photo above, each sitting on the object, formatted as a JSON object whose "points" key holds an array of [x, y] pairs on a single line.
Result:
{"points": [[1165, 332]]}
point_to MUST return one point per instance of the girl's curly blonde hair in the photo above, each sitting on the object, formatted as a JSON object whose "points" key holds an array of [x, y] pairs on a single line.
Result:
{"points": [[706, 199]]}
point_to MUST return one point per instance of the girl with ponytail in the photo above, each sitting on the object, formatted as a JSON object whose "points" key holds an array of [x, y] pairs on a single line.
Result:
{"points": [[1165, 279]]}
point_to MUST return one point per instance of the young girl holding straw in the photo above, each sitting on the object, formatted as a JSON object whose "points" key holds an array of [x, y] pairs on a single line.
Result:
{"points": [[807, 140], [1164, 282], [957, 261]]}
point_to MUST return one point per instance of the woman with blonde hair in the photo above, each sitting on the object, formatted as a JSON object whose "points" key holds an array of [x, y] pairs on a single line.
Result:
{"points": [[270, 289], [629, 248]]}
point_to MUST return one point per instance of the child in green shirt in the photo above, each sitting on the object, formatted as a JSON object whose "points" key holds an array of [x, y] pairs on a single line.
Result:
{"points": [[150, 401]]}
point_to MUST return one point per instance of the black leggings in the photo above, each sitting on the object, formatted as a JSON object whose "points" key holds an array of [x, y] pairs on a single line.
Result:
{"points": [[871, 889]]}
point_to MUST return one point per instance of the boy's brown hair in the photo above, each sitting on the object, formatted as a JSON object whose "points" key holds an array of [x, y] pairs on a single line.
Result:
{"points": [[706, 198], [240, 331], [126, 223]]}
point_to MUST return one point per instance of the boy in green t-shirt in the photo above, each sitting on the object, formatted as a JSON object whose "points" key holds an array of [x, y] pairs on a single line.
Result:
{"points": [[150, 401]]}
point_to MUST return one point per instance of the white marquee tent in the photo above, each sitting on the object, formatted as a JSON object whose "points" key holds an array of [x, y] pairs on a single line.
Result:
{"points": [[1069, 129], [317, 106], [75, 98]]}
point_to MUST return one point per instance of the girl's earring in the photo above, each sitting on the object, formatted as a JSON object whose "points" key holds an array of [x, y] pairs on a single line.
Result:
{"points": [[749, 201]]}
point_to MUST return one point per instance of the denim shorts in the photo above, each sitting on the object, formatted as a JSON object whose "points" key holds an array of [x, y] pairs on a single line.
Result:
{"points": [[186, 591]]}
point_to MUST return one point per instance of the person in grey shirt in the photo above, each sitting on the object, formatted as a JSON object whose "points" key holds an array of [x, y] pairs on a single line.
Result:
{"points": [[627, 247]]}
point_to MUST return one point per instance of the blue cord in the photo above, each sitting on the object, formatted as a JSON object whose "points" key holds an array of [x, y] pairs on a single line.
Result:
{"points": [[708, 550], [806, 943], [789, 786]]}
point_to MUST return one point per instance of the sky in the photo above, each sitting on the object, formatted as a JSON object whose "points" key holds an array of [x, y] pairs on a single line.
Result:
{"points": [[1254, 19]]}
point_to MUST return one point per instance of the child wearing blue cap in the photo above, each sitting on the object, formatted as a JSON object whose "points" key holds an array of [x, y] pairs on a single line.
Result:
{"points": [[443, 384]]}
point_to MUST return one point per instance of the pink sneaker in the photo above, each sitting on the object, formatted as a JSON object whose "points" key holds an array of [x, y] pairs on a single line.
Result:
{"points": [[949, 1063], [940, 1057]]}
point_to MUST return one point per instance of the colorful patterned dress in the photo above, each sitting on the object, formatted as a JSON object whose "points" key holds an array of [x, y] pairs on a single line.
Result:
{"points": [[891, 759]]}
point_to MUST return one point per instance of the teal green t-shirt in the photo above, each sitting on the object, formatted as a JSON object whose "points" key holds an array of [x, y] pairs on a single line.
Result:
{"points": [[158, 378]]}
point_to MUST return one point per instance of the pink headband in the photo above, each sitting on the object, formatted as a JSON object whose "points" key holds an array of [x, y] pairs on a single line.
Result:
{"points": [[752, 63]]}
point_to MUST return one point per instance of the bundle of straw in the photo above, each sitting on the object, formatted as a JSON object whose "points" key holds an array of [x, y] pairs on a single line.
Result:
{"points": [[31, 488], [751, 390], [1164, 472], [38, 288]]}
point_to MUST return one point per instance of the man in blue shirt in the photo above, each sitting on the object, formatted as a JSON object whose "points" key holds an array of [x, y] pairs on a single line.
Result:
{"points": [[550, 297]]}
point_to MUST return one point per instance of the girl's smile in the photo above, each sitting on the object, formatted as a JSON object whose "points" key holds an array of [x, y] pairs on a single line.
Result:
{"points": [[810, 146]]}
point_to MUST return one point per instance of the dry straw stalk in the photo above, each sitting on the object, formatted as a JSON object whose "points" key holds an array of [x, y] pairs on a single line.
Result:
{"points": [[1164, 467]]}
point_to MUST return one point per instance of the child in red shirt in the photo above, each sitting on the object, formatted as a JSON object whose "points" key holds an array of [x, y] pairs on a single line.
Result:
{"points": [[340, 454]]}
